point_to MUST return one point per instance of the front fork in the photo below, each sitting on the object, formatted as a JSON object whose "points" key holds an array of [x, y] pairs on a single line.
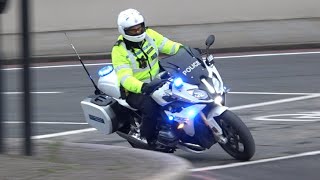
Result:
{"points": [[212, 123]]}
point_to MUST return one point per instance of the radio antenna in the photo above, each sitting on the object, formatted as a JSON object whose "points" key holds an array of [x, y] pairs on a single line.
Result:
{"points": [[97, 91]]}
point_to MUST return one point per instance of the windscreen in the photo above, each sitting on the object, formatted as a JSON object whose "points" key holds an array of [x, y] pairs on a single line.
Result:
{"points": [[186, 64]]}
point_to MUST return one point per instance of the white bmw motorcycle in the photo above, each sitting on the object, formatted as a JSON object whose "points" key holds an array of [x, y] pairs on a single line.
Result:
{"points": [[192, 107]]}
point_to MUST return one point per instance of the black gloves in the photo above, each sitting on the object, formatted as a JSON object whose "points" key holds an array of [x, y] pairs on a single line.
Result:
{"points": [[148, 88]]}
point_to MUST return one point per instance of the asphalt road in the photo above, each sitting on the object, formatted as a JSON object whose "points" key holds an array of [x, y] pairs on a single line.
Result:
{"points": [[280, 128]]}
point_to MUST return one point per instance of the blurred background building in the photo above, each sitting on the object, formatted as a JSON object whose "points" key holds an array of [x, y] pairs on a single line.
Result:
{"points": [[92, 24]]}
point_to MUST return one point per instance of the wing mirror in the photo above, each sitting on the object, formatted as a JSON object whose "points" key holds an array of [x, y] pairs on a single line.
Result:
{"points": [[210, 40], [209, 59]]}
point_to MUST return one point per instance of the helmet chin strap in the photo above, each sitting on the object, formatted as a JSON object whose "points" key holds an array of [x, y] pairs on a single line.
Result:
{"points": [[130, 44]]}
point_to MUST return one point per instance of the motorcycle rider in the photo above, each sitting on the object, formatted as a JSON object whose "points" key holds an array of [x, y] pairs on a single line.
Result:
{"points": [[135, 60]]}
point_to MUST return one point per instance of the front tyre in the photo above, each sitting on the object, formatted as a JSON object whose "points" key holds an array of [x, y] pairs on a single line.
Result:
{"points": [[240, 143]]}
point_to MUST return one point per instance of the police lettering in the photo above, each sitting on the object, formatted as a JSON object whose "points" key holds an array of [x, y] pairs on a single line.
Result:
{"points": [[191, 67]]}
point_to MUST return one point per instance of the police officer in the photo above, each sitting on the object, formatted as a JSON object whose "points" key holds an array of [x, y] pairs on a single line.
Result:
{"points": [[135, 60]]}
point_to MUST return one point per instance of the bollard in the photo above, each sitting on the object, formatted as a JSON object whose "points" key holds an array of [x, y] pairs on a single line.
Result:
{"points": [[1, 98], [26, 76], [2, 8]]}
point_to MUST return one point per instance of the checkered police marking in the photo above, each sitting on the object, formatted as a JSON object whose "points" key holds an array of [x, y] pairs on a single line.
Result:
{"points": [[95, 118]]}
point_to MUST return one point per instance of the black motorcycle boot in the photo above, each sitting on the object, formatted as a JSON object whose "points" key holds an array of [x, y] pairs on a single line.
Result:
{"points": [[152, 143], [167, 137]]}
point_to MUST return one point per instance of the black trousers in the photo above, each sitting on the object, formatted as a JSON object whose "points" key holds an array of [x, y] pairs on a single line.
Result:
{"points": [[150, 111]]}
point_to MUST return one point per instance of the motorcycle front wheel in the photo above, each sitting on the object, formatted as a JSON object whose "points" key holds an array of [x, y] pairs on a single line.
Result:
{"points": [[240, 144]]}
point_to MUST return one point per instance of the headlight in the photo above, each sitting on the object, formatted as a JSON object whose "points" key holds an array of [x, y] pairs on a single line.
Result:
{"points": [[218, 100], [210, 58], [199, 94]]}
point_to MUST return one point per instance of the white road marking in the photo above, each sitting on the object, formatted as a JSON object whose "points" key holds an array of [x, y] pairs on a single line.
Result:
{"points": [[39, 122], [263, 160], [232, 108], [14, 93], [268, 93], [63, 133], [316, 95], [266, 55], [57, 66], [312, 153], [218, 57], [298, 117]]}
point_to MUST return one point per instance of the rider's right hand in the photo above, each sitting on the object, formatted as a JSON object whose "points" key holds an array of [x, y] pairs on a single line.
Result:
{"points": [[148, 88]]}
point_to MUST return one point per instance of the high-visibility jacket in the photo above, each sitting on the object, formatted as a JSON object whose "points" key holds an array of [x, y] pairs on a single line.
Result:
{"points": [[125, 63]]}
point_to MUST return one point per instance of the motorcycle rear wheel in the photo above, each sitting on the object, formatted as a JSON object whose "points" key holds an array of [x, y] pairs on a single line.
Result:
{"points": [[240, 143]]}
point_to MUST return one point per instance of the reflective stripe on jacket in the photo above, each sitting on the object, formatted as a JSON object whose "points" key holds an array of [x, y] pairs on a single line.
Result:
{"points": [[125, 63]]}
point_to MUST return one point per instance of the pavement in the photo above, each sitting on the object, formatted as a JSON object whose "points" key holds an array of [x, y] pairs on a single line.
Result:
{"points": [[52, 160]]}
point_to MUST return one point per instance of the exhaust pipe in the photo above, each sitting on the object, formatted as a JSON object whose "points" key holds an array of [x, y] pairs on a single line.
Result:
{"points": [[137, 143], [193, 148]]}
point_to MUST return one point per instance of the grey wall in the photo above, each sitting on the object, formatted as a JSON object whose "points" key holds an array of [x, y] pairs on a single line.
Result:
{"points": [[92, 24]]}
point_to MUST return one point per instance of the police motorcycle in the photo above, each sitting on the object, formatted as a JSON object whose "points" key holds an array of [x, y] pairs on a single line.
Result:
{"points": [[192, 106]]}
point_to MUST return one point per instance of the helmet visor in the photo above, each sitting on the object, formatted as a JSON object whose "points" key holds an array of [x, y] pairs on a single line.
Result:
{"points": [[135, 30]]}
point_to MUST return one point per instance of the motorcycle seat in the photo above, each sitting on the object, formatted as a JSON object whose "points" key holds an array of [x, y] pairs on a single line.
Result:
{"points": [[124, 103]]}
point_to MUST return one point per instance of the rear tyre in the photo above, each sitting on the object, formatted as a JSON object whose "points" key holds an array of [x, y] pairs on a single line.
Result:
{"points": [[240, 143]]}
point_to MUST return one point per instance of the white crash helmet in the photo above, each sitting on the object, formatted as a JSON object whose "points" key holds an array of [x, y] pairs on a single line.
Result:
{"points": [[127, 19]]}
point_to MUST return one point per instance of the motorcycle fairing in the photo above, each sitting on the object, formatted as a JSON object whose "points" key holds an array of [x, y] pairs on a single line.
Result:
{"points": [[187, 116], [186, 65]]}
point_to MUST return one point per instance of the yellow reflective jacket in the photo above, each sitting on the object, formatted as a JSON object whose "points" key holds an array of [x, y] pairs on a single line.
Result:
{"points": [[125, 62]]}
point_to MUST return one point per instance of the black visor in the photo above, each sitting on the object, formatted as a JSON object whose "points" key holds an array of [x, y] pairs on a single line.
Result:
{"points": [[135, 30]]}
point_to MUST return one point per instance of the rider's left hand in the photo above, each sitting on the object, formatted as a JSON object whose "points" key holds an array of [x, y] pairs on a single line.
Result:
{"points": [[148, 88]]}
